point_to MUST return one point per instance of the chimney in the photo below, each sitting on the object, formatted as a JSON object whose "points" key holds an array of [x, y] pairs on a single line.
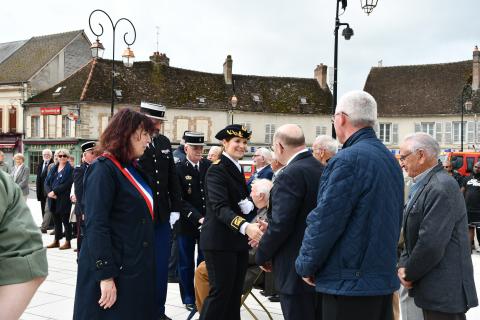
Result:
{"points": [[320, 75], [160, 59], [476, 69], [227, 70]]}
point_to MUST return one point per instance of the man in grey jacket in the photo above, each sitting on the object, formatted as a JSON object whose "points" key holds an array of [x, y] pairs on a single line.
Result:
{"points": [[435, 264]]}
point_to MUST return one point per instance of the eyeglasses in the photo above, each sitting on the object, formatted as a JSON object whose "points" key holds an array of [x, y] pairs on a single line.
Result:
{"points": [[402, 158], [62, 156], [476, 167], [336, 114]]}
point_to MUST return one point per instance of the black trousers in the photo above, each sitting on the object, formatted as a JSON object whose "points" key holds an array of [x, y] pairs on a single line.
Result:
{"points": [[306, 306], [226, 273], [435, 315], [58, 219], [358, 308], [42, 206]]}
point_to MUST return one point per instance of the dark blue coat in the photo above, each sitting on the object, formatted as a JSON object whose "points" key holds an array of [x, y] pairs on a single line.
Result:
{"points": [[61, 184], [118, 243], [265, 173], [293, 196], [78, 174], [351, 237]]}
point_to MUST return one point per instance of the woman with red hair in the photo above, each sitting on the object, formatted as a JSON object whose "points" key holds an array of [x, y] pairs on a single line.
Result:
{"points": [[116, 267]]}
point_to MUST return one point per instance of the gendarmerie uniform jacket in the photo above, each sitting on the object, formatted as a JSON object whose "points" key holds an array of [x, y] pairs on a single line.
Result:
{"points": [[157, 162], [78, 174], [192, 183], [225, 187]]}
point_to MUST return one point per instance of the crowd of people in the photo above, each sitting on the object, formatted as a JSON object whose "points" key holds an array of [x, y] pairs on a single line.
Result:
{"points": [[338, 234]]}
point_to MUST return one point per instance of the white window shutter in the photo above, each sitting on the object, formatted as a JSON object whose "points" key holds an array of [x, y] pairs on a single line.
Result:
{"points": [[72, 128], [478, 133], [418, 127], [28, 127], [59, 126], [395, 133], [41, 133], [377, 129], [448, 133], [470, 131], [438, 132]]}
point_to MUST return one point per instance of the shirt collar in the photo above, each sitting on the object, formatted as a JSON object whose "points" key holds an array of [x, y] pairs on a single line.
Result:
{"points": [[235, 162], [296, 154], [193, 164], [422, 175]]}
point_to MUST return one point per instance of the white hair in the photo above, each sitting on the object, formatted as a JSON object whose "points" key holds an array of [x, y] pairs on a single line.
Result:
{"points": [[266, 154], [64, 151], [360, 107], [215, 149], [262, 186], [423, 141], [327, 143], [47, 151]]}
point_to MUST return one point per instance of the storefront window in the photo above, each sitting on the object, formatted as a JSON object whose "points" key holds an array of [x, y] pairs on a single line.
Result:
{"points": [[35, 158]]}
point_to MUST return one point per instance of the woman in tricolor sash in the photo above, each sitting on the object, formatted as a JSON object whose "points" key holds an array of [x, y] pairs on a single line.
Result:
{"points": [[116, 267]]}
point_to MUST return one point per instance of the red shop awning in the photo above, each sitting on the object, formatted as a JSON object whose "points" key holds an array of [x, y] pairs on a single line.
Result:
{"points": [[7, 145]]}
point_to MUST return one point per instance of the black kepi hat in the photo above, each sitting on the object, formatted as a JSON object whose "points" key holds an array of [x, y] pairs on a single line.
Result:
{"points": [[152, 110], [89, 145], [233, 130], [194, 138]]}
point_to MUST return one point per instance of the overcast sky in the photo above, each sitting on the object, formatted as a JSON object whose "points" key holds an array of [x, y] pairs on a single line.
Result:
{"points": [[266, 37]]}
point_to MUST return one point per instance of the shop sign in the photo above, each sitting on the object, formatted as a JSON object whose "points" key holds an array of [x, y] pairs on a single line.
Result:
{"points": [[50, 111]]}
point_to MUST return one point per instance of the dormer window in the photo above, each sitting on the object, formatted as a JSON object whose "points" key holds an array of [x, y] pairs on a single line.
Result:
{"points": [[256, 98], [202, 100], [58, 91], [303, 100]]}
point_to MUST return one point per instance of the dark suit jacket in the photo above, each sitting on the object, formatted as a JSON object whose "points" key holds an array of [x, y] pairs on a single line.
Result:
{"points": [[157, 162], [41, 176], [192, 183], [63, 204], [293, 196], [436, 255], [266, 173], [78, 174], [226, 187]]}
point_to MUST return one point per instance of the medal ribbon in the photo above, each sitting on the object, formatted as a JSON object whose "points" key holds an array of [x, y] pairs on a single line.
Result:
{"points": [[146, 196]]}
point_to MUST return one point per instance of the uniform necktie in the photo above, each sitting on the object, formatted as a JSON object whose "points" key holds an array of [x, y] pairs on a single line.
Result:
{"points": [[196, 167]]}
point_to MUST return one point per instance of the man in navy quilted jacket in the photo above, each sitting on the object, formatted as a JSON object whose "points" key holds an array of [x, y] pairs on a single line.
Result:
{"points": [[349, 248]]}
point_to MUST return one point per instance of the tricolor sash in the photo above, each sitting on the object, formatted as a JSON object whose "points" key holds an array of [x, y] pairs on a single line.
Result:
{"points": [[135, 182]]}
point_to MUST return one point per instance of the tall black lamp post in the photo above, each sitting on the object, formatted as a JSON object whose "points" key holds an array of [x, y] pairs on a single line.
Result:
{"points": [[466, 105], [367, 6], [97, 48]]}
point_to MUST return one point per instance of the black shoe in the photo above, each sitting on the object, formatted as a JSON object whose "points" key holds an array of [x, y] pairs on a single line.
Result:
{"points": [[52, 233], [164, 317], [43, 230], [275, 298], [263, 293], [190, 306]]}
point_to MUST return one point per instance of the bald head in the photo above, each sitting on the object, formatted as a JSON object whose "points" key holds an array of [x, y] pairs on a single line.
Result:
{"points": [[287, 141], [290, 136]]}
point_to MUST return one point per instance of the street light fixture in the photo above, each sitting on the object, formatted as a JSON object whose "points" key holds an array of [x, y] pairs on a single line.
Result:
{"points": [[367, 6], [466, 104], [233, 102], [98, 49]]}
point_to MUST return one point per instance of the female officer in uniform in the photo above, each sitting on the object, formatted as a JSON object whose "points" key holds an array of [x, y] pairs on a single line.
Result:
{"points": [[116, 266], [223, 237]]}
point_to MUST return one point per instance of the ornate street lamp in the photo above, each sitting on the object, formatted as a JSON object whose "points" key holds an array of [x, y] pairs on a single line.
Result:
{"points": [[97, 48], [367, 6], [233, 102], [466, 104]]}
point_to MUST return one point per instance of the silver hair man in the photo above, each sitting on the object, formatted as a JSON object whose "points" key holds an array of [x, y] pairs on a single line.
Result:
{"points": [[425, 142], [360, 107], [262, 186], [265, 153], [324, 147]]}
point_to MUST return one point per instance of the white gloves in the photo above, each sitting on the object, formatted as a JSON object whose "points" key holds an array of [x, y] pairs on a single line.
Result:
{"points": [[174, 216], [246, 206]]}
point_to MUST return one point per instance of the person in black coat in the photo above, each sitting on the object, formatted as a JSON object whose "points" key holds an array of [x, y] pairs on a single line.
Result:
{"points": [[78, 173], [42, 170], [116, 267], [223, 236], [157, 161], [262, 159], [293, 196], [191, 174], [57, 186]]}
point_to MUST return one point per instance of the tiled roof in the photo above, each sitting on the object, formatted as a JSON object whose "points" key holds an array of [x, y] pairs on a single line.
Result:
{"points": [[7, 48], [33, 55], [181, 88], [432, 89]]}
